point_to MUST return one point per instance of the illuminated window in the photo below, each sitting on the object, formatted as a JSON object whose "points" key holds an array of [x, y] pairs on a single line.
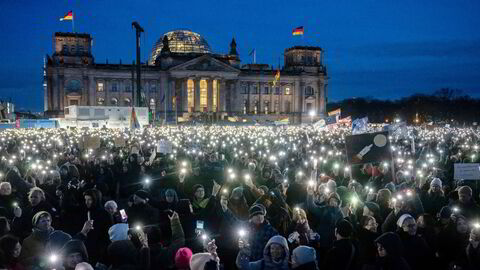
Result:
{"points": [[190, 96], [152, 104], [100, 101], [287, 90], [127, 102], [203, 95], [214, 94], [100, 87], [266, 107], [256, 107], [244, 106], [114, 102]]}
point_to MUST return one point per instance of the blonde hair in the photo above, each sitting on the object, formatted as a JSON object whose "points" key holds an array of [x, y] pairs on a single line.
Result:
{"points": [[299, 214]]}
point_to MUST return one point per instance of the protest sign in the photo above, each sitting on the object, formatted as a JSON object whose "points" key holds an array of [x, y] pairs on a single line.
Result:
{"points": [[119, 142], [92, 142], [164, 147], [360, 125], [368, 148], [466, 171]]}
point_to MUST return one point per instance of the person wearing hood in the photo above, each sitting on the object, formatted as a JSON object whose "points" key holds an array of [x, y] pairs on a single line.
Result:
{"points": [[73, 253], [275, 256], [97, 239], [417, 253], [328, 215], [344, 253], [390, 253], [304, 258], [10, 247], [141, 212]]}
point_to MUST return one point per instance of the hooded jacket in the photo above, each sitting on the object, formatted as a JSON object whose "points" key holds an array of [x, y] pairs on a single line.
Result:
{"points": [[393, 246], [75, 246], [266, 263]]}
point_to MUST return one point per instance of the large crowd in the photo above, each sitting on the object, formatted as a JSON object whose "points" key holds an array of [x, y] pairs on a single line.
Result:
{"points": [[226, 197]]}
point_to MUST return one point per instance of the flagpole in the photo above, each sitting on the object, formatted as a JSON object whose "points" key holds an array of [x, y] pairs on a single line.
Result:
{"points": [[73, 22]]}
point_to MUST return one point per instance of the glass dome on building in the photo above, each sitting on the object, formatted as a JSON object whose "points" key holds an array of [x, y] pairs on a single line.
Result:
{"points": [[181, 41]]}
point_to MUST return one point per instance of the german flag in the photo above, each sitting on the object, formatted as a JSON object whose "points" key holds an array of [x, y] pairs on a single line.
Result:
{"points": [[277, 77], [298, 31], [68, 16]]}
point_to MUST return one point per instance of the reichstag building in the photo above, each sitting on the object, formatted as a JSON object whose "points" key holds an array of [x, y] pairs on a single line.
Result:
{"points": [[185, 78]]}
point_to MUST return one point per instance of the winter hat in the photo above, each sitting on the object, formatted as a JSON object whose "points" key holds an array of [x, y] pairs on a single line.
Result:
{"points": [[302, 255], [373, 207], [183, 257], [465, 190], [56, 240], [391, 186], [142, 194], [445, 212], [39, 215], [118, 232], [402, 219], [344, 228], [199, 260], [237, 193], [436, 182], [392, 243], [256, 209], [75, 246], [197, 186]]}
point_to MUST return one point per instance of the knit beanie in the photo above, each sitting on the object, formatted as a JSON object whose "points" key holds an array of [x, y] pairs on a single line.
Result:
{"points": [[373, 207], [37, 217], [199, 260], [302, 255], [344, 228], [118, 232], [436, 182], [197, 186], [183, 257], [402, 219], [445, 212], [142, 194], [256, 209]]}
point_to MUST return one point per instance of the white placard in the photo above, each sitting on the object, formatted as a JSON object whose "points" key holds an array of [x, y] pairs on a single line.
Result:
{"points": [[164, 147], [466, 171]]}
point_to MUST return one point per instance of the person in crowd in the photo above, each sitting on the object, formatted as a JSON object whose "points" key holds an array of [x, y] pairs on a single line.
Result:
{"points": [[344, 253], [112, 208], [304, 258], [141, 212], [426, 230], [4, 226], [275, 256], [384, 197], [366, 235], [10, 247], [434, 199], [466, 204], [161, 252], [453, 240], [73, 253], [417, 253], [473, 249], [390, 253], [22, 223], [8, 201], [183, 258]]}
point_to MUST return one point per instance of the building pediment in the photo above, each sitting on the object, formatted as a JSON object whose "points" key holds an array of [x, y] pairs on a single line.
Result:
{"points": [[205, 63]]}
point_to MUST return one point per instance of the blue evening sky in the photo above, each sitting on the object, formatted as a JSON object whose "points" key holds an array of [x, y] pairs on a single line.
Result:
{"points": [[380, 48]]}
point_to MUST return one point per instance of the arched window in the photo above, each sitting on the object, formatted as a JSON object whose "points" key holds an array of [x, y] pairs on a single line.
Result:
{"points": [[100, 101], [127, 102], [190, 96], [114, 102], [244, 106], [287, 90]]}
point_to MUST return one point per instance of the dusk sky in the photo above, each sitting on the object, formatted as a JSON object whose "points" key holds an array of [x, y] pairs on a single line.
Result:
{"points": [[379, 48]]}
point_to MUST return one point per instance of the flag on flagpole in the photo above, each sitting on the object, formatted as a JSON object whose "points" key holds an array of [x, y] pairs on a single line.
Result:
{"points": [[67, 17], [277, 77], [298, 31], [134, 120]]}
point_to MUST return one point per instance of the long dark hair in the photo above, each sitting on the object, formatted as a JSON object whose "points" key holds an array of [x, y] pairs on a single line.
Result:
{"points": [[7, 246]]}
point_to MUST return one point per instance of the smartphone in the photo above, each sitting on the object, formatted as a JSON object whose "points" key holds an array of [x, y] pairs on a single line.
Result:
{"points": [[200, 224], [123, 214]]}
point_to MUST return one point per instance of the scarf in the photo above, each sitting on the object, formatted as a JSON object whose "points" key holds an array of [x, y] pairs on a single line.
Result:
{"points": [[200, 204]]}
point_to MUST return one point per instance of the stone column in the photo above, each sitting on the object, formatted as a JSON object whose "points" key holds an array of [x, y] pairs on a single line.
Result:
{"points": [[297, 101], [84, 98], [196, 98], [184, 107], [236, 102], [55, 93], [92, 92], [61, 97], [171, 93], [210, 95], [222, 96], [106, 93]]}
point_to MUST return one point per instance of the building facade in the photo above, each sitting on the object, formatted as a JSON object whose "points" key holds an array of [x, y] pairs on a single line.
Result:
{"points": [[184, 78]]}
